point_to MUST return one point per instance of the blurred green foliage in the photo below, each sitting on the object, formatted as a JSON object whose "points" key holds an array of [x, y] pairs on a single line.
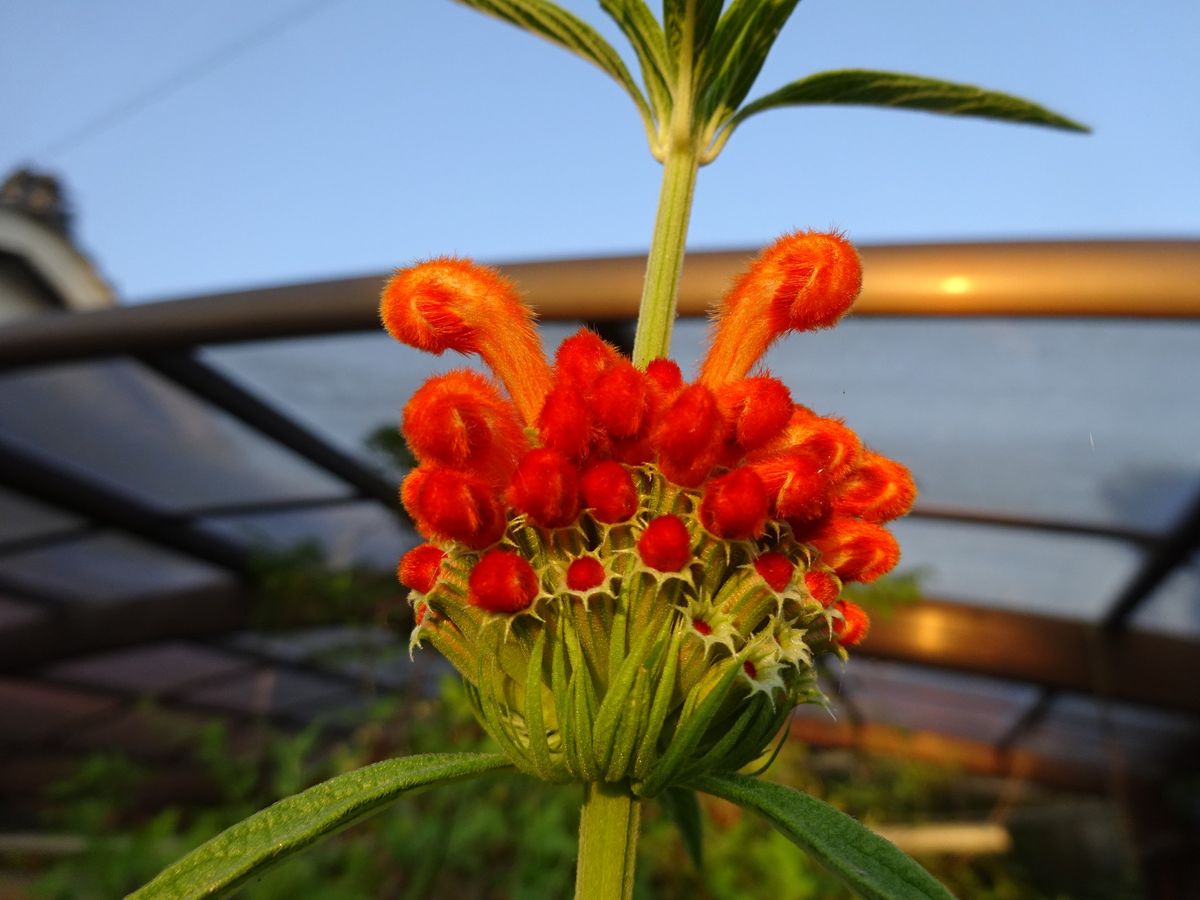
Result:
{"points": [[501, 837]]}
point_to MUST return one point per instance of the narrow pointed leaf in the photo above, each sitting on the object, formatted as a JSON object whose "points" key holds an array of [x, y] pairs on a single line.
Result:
{"points": [[861, 87], [736, 53], [706, 14], [683, 807], [278, 831], [555, 24], [644, 33], [872, 866]]}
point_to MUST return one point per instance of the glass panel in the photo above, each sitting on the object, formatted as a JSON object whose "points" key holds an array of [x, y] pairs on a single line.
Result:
{"points": [[22, 518], [362, 533], [963, 706], [30, 711], [267, 691], [1099, 733], [107, 568], [151, 669], [1033, 571], [1174, 608], [137, 432], [1074, 420], [345, 387]]}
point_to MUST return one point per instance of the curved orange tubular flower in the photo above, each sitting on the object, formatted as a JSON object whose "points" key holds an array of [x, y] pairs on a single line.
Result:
{"points": [[757, 410], [802, 282], [854, 624], [857, 550], [455, 304], [452, 505], [878, 490], [460, 421]]}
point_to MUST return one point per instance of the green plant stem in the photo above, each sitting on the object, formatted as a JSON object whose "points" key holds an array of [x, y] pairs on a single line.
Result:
{"points": [[609, 824], [656, 316]]}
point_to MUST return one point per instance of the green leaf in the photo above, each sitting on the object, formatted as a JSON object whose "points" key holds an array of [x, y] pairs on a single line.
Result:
{"points": [[705, 13], [870, 865], [683, 807], [278, 831], [735, 55], [555, 24], [638, 24], [862, 87]]}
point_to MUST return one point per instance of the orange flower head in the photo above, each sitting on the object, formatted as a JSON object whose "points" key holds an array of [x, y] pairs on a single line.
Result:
{"points": [[802, 282], [856, 550], [609, 492], [734, 505], [546, 488], [418, 569], [503, 582], [878, 489], [455, 304], [447, 504], [460, 421], [853, 625], [665, 545]]}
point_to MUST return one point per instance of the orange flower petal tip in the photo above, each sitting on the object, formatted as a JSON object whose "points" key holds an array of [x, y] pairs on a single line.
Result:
{"points": [[877, 490], [451, 505], [823, 585], [502, 582], [853, 625], [609, 492], [775, 569], [803, 281], [585, 573]]}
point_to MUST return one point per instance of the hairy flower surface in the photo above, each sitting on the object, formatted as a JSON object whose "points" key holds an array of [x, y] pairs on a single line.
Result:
{"points": [[633, 573]]}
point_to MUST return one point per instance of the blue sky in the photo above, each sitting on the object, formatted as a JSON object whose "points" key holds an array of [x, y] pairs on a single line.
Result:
{"points": [[362, 134]]}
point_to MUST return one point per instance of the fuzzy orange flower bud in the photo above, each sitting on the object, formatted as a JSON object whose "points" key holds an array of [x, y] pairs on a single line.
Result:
{"points": [[582, 358], [454, 304], [735, 505], [546, 488], [794, 483], [856, 550], [585, 573], [823, 585], [459, 420], [665, 544], [878, 489], [689, 436], [619, 400], [502, 582], [757, 409], [802, 282], [834, 447], [418, 569], [775, 569], [609, 492], [565, 423], [853, 626], [447, 504]]}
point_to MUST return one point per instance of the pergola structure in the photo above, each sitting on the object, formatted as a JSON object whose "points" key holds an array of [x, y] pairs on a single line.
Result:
{"points": [[148, 452]]}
